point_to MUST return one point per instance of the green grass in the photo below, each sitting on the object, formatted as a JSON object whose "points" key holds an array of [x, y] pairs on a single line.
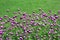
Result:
{"points": [[28, 6]]}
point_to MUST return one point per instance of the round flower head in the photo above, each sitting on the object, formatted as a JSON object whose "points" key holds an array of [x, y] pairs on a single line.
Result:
{"points": [[1, 39], [2, 26], [32, 21], [29, 31], [0, 18], [21, 38], [2, 23], [52, 18], [1, 32], [15, 17], [51, 31], [56, 17], [24, 16], [6, 16], [7, 38], [44, 14], [13, 23], [35, 24]]}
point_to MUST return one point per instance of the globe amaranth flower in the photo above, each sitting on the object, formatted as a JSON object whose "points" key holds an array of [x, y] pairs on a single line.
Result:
{"points": [[0, 18], [1, 32]]}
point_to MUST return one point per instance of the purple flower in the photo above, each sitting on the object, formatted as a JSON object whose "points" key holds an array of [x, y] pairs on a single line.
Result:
{"points": [[56, 17], [29, 31], [1, 39], [11, 19], [21, 38], [24, 17], [44, 15], [51, 31], [10, 28], [35, 24], [24, 28], [2, 23], [1, 32], [1, 26], [0, 18], [32, 21], [24, 14], [15, 17], [13, 23], [53, 18], [7, 38], [6, 16]]}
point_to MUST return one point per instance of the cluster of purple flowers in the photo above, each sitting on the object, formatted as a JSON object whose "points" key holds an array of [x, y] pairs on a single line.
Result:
{"points": [[29, 24]]}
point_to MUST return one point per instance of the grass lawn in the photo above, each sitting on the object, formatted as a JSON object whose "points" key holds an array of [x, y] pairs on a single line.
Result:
{"points": [[28, 6]]}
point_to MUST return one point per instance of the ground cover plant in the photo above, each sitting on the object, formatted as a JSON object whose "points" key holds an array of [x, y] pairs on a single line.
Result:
{"points": [[23, 26], [29, 19]]}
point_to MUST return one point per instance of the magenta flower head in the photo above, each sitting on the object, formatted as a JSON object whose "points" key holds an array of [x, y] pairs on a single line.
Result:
{"points": [[2, 26], [29, 31], [51, 31], [0, 18], [32, 21], [44, 14], [21, 38], [1, 32], [13, 23], [7, 38], [56, 17], [15, 17], [1, 39], [35, 24], [24, 14], [2, 23], [11, 19], [6, 16], [52, 18]]}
